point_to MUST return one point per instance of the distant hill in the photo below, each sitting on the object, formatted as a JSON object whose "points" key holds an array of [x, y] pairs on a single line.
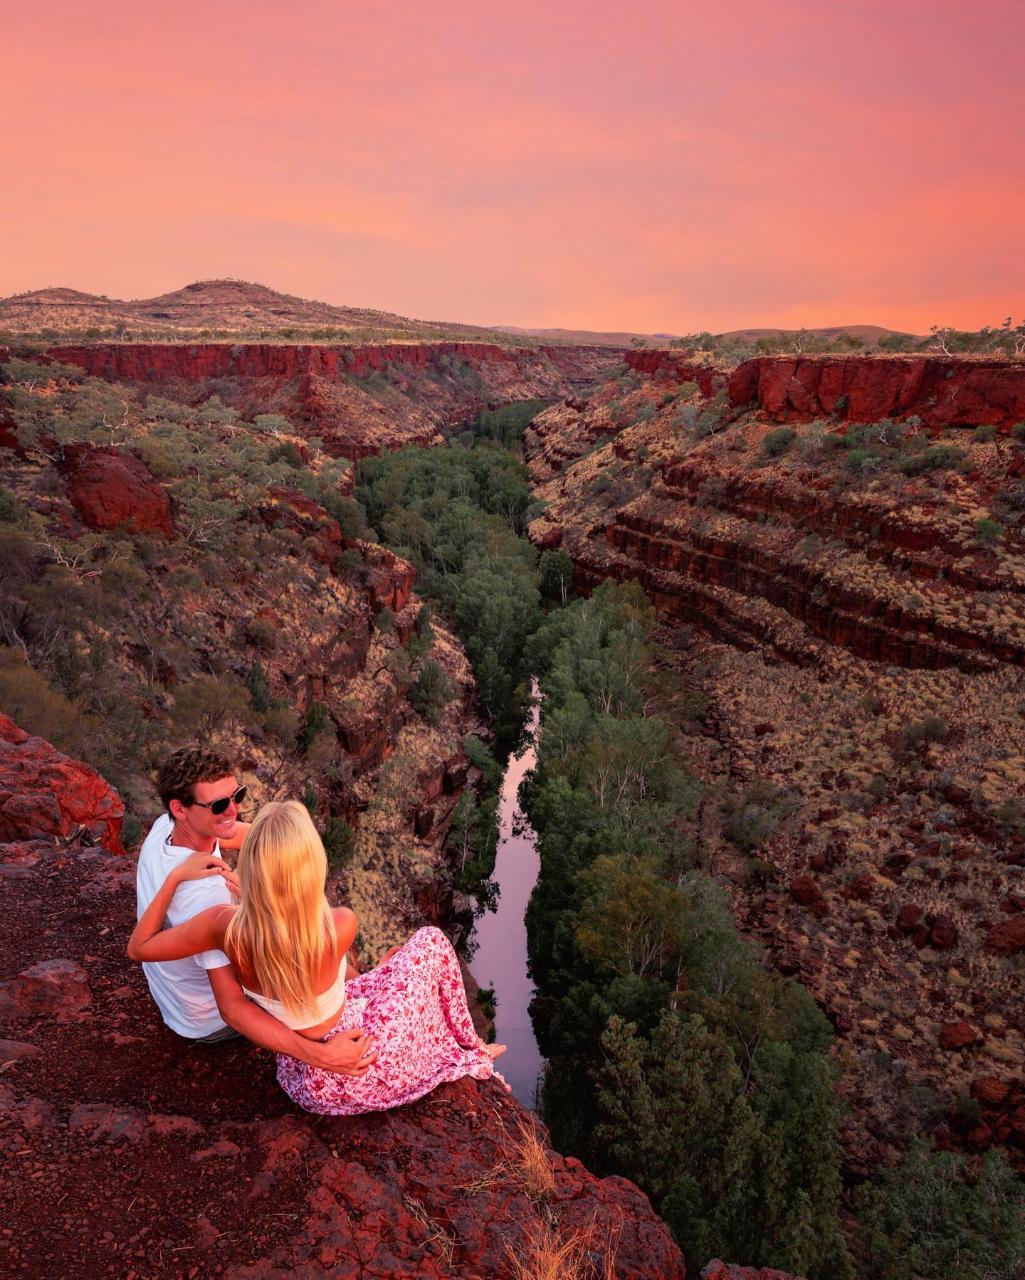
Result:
{"points": [[869, 334], [586, 337], [224, 309], [216, 309]]}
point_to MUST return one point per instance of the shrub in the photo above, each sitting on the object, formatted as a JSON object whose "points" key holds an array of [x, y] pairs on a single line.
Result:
{"points": [[984, 435], [422, 639], [132, 832], [288, 454], [315, 722], [940, 457], [431, 692], [259, 689], [987, 531], [922, 732], [777, 442], [1010, 817], [385, 621], [159, 458], [262, 634], [687, 417], [339, 842], [1018, 431], [281, 722], [10, 507], [708, 421], [751, 819], [210, 704]]}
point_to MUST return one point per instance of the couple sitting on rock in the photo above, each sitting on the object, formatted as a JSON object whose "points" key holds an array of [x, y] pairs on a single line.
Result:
{"points": [[260, 952]]}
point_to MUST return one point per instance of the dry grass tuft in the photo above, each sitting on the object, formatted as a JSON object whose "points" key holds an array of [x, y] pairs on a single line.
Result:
{"points": [[586, 1254], [531, 1167], [437, 1235], [524, 1166]]}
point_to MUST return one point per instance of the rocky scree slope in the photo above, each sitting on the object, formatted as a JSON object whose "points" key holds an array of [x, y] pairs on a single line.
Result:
{"points": [[128, 1152], [357, 399], [854, 619]]}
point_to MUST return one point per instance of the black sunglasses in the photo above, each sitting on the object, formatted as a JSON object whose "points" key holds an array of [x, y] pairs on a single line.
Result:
{"points": [[217, 807]]}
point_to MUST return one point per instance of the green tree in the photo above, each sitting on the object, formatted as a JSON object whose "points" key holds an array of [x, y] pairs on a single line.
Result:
{"points": [[555, 575], [933, 1215]]}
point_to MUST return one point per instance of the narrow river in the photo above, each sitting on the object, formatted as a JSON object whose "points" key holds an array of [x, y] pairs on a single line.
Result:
{"points": [[501, 957]]}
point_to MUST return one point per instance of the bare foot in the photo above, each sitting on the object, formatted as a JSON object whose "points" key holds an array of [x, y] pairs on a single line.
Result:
{"points": [[494, 1050]]}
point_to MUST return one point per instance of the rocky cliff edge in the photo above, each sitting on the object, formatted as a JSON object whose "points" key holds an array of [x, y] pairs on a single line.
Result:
{"points": [[128, 1152]]}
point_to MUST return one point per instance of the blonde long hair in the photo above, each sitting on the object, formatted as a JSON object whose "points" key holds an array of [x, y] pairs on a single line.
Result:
{"points": [[284, 927]]}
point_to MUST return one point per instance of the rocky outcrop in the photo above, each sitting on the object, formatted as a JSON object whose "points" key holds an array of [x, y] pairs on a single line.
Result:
{"points": [[294, 510], [943, 391], [717, 1270], [45, 793], [114, 490], [677, 367], [358, 399], [120, 1137]]}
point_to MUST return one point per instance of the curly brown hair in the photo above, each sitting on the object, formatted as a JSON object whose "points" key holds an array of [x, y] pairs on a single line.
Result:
{"points": [[180, 772]]}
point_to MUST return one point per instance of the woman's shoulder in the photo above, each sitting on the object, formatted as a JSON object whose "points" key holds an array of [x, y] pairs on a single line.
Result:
{"points": [[346, 923]]}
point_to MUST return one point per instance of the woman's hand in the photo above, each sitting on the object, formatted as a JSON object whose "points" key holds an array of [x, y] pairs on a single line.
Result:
{"points": [[199, 866]]}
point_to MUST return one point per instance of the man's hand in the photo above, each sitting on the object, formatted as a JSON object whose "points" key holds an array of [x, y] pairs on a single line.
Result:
{"points": [[350, 1053]]}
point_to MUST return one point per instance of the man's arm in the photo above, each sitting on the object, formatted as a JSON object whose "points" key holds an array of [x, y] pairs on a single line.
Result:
{"points": [[350, 1053]]}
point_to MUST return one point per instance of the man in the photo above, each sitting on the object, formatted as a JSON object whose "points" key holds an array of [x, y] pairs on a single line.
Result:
{"points": [[200, 997]]}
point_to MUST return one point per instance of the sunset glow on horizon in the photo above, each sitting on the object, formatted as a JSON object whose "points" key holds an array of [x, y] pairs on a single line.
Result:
{"points": [[661, 168]]}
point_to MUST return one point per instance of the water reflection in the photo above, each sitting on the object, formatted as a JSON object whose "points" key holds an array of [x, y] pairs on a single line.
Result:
{"points": [[501, 957]]}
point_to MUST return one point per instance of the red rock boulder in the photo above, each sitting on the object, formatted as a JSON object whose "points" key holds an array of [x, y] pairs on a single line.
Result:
{"points": [[50, 989], [114, 490], [958, 1035], [1008, 938], [390, 581], [804, 890], [45, 793]]}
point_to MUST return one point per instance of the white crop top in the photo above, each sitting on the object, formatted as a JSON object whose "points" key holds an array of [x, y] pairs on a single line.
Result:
{"points": [[327, 1003]]}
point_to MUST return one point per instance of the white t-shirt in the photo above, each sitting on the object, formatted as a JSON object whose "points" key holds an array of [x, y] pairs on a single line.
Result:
{"points": [[180, 987]]}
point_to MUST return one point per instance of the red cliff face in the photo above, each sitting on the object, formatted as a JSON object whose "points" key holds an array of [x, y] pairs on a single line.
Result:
{"points": [[329, 390], [942, 391], [113, 1119], [677, 367]]}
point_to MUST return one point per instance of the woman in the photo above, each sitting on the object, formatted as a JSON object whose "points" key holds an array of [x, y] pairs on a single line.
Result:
{"points": [[288, 947]]}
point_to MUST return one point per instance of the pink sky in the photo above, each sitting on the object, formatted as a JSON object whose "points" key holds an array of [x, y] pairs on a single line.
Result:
{"points": [[656, 167]]}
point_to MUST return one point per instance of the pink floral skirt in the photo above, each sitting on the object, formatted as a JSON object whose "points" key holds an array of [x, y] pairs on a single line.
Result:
{"points": [[415, 1008]]}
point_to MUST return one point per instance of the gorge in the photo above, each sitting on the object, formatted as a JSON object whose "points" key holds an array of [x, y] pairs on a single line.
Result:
{"points": [[837, 660]]}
